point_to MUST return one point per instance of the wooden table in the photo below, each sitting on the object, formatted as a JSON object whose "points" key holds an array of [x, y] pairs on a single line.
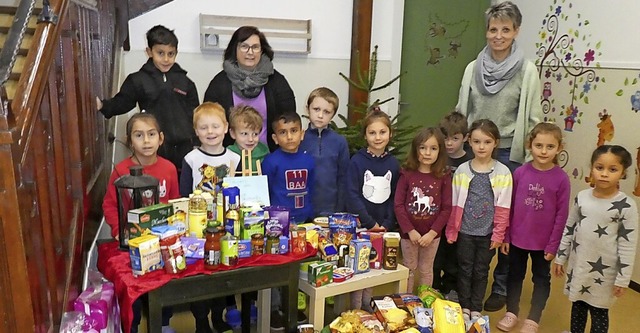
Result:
{"points": [[374, 277], [223, 283]]}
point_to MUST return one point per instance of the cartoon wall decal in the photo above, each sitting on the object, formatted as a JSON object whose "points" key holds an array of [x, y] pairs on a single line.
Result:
{"points": [[605, 128], [443, 37], [636, 190], [566, 54], [635, 101]]}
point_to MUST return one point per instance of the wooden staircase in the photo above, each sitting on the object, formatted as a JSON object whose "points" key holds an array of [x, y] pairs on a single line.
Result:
{"points": [[6, 19]]}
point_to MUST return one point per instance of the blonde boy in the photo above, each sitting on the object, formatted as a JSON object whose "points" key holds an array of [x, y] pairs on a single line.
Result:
{"points": [[245, 127], [205, 166]]}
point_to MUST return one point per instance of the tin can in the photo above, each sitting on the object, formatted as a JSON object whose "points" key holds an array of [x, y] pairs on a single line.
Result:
{"points": [[229, 249], [257, 244], [273, 244]]}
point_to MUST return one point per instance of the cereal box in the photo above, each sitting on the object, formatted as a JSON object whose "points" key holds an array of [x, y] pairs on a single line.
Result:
{"points": [[358, 258], [144, 252], [140, 220]]}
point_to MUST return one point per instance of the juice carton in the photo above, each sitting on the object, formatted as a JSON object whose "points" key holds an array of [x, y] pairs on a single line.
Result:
{"points": [[180, 217], [320, 274], [145, 255]]}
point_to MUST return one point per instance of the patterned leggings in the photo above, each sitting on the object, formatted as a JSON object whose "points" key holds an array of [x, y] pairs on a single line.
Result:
{"points": [[599, 318]]}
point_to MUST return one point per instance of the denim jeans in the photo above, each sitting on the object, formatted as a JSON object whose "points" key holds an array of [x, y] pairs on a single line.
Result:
{"points": [[541, 270], [445, 266], [474, 257], [501, 271]]}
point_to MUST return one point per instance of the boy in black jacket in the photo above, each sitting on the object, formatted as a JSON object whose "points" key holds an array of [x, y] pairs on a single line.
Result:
{"points": [[160, 87]]}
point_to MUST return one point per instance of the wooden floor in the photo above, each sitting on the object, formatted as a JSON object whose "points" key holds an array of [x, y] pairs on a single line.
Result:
{"points": [[623, 315]]}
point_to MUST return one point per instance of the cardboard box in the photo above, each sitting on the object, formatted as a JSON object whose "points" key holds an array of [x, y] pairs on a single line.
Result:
{"points": [[141, 220], [320, 274], [145, 255], [251, 222], [358, 258], [392, 313], [180, 217], [244, 248], [375, 260]]}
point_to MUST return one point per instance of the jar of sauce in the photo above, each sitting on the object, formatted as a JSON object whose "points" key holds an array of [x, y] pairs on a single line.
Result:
{"points": [[273, 244], [212, 249], [257, 244]]}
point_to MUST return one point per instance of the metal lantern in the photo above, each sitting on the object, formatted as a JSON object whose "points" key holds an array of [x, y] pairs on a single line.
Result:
{"points": [[133, 191]]}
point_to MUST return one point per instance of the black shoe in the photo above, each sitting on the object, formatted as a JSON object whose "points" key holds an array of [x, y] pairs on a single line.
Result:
{"points": [[495, 302], [277, 321], [302, 318]]}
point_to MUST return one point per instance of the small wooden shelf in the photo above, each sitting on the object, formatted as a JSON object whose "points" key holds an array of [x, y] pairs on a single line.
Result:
{"points": [[284, 35]]}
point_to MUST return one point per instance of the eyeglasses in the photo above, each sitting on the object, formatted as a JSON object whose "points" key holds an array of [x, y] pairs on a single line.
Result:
{"points": [[255, 48]]}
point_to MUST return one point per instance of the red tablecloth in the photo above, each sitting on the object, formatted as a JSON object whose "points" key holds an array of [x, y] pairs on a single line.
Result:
{"points": [[115, 265]]}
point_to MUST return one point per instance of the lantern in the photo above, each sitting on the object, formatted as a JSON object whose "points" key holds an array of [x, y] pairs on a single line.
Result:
{"points": [[133, 191]]}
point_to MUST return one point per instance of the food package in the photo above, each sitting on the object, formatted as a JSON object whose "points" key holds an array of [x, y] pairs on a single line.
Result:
{"points": [[356, 321], [320, 274], [276, 221], [144, 252], [244, 248], [424, 319], [409, 301], [447, 317], [342, 274], [342, 228], [428, 295], [358, 257], [193, 247], [180, 217], [391, 312], [100, 307], [140, 220], [251, 221], [480, 325], [375, 258]]}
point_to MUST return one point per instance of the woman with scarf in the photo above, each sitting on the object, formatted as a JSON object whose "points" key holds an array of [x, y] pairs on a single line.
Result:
{"points": [[502, 86], [248, 78]]}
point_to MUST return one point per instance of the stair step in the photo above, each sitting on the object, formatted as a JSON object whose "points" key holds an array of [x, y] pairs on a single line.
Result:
{"points": [[28, 31], [12, 10]]}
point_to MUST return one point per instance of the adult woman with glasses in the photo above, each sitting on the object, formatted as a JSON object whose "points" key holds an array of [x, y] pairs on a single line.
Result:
{"points": [[248, 78]]}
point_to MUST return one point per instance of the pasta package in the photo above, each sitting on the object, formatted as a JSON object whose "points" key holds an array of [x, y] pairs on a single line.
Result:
{"points": [[447, 317]]}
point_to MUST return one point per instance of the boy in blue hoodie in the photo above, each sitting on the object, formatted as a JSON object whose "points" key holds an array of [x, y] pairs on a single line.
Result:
{"points": [[329, 150]]}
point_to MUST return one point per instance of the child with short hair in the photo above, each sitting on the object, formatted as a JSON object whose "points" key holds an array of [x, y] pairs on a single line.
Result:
{"points": [[539, 210], [245, 125], [599, 242], [329, 150], [161, 87], [372, 178], [445, 266], [290, 170], [205, 166], [481, 201], [423, 203], [203, 169], [144, 137], [291, 174]]}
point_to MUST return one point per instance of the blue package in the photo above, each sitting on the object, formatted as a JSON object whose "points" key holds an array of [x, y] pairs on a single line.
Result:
{"points": [[284, 244], [244, 248]]}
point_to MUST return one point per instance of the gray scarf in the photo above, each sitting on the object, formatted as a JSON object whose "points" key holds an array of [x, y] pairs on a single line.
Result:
{"points": [[491, 77], [248, 83]]}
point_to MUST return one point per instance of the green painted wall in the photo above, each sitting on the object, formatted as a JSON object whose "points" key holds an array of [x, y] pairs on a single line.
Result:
{"points": [[429, 89]]}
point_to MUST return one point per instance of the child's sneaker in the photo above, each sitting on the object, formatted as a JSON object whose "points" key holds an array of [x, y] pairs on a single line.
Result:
{"points": [[529, 326], [466, 315], [475, 315], [508, 322]]}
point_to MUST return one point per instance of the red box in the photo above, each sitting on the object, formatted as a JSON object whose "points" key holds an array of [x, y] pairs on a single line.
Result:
{"points": [[375, 260]]}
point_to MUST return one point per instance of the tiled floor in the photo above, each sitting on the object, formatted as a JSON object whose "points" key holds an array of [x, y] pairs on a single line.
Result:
{"points": [[555, 319]]}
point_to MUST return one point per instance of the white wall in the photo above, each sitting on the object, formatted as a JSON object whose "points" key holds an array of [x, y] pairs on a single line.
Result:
{"points": [[331, 42]]}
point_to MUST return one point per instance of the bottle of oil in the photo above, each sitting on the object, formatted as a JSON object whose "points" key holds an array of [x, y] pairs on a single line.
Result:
{"points": [[232, 217], [197, 214]]}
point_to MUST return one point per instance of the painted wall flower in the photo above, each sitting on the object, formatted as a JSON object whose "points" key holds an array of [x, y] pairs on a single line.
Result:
{"points": [[589, 56], [586, 87]]}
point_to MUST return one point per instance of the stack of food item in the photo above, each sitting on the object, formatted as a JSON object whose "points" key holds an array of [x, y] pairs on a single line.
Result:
{"points": [[427, 312]]}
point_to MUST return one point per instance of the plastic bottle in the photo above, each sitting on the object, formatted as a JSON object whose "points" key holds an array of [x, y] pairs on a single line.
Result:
{"points": [[232, 217], [197, 214]]}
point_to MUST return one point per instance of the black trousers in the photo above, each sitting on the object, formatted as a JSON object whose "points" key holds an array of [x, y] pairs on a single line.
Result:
{"points": [[445, 266], [599, 318], [541, 270], [474, 257]]}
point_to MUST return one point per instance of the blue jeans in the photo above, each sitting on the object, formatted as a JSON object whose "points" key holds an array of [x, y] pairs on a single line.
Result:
{"points": [[501, 272], [474, 258]]}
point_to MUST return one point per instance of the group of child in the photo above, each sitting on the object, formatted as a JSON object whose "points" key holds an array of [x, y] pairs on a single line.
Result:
{"points": [[469, 199]]}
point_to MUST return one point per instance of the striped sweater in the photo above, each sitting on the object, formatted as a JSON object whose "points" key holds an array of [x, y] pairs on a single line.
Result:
{"points": [[501, 183]]}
